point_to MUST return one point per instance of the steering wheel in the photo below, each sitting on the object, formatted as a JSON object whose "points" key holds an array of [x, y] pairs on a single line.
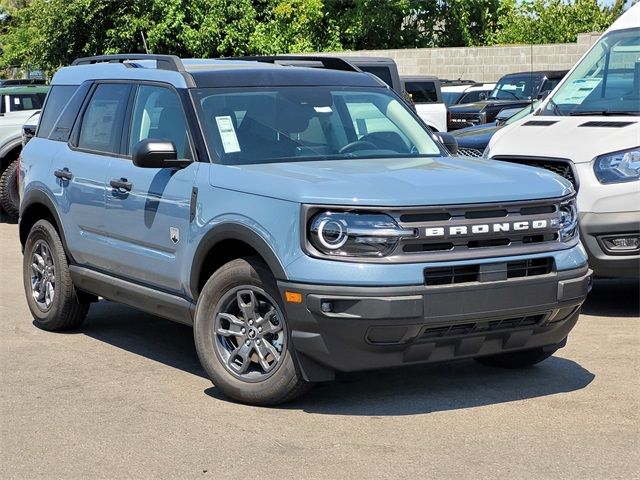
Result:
{"points": [[357, 145]]}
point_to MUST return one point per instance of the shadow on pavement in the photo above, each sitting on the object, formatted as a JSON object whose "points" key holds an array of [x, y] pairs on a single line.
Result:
{"points": [[403, 391], [615, 297]]}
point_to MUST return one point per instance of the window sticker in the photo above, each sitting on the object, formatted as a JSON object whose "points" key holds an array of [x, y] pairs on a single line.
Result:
{"points": [[16, 100], [227, 134]]}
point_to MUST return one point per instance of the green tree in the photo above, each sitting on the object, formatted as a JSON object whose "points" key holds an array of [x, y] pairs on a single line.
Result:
{"points": [[551, 21]]}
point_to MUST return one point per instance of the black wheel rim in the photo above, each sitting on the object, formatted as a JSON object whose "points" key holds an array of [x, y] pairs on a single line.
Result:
{"points": [[250, 335], [43, 278]]}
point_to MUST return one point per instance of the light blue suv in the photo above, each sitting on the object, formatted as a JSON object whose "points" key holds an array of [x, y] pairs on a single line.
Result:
{"points": [[303, 220]]}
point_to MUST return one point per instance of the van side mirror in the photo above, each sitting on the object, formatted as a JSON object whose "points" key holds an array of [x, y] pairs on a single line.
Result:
{"points": [[448, 141], [152, 153]]}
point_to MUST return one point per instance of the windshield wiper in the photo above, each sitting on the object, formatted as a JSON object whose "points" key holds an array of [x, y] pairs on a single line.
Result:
{"points": [[554, 106], [602, 113]]}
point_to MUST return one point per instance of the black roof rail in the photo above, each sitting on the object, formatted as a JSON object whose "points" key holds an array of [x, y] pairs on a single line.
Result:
{"points": [[331, 63], [164, 62]]}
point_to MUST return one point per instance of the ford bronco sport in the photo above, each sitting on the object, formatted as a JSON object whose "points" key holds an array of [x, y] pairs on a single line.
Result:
{"points": [[304, 221]]}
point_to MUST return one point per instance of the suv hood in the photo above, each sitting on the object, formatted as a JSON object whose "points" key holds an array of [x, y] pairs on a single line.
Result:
{"points": [[392, 182], [579, 139]]}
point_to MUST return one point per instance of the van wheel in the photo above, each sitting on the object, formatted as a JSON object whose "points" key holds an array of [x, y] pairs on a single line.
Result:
{"points": [[242, 337], [9, 199], [53, 300], [524, 358]]}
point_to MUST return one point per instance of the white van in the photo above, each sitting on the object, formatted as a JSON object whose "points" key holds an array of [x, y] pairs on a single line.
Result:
{"points": [[588, 130]]}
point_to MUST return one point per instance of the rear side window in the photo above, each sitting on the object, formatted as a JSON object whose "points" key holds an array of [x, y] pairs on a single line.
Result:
{"points": [[58, 97], [383, 73], [422, 92], [101, 127], [26, 101]]}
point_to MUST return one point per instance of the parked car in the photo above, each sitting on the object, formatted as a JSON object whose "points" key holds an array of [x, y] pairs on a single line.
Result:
{"points": [[424, 92], [18, 82], [588, 131], [17, 104], [302, 220], [473, 140], [512, 91], [29, 128], [455, 93]]}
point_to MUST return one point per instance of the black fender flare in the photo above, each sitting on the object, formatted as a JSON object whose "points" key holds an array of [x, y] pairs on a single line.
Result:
{"points": [[10, 145], [233, 231], [33, 197]]}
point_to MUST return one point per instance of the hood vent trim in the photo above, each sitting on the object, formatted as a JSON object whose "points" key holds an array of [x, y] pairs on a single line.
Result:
{"points": [[539, 123], [606, 123]]}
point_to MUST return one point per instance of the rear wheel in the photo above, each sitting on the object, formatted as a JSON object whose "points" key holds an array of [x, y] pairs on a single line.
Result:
{"points": [[9, 198], [242, 338], [53, 300], [524, 358]]}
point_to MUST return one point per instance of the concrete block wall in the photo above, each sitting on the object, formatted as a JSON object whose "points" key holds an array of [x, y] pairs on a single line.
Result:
{"points": [[485, 64]]}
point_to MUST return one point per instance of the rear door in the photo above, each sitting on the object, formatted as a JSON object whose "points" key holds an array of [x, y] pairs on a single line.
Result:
{"points": [[80, 170], [149, 220]]}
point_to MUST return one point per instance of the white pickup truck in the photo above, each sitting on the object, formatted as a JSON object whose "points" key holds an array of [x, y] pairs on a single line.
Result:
{"points": [[424, 92]]}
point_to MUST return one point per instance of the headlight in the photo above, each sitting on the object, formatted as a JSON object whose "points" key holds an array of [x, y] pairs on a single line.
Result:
{"points": [[352, 234], [568, 220], [618, 167]]}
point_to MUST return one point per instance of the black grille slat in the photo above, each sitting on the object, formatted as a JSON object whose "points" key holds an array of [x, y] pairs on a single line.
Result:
{"points": [[452, 275], [481, 327], [557, 166]]}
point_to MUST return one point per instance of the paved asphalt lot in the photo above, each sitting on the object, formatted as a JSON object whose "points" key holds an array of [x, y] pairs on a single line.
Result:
{"points": [[126, 397]]}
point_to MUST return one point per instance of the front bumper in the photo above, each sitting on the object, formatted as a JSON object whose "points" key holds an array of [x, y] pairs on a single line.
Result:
{"points": [[595, 227], [338, 328]]}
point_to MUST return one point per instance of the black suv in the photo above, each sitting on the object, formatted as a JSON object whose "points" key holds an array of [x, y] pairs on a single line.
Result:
{"points": [[512, 91]]}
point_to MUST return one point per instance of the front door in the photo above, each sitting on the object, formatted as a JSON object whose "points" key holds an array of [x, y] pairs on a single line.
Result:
{"points": [[149, 216]]}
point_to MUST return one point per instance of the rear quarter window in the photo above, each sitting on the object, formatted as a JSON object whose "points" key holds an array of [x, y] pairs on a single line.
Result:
{"points": [[57, 99], [422, 92]]}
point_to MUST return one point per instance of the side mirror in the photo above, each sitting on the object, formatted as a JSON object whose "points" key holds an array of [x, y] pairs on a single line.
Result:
{"points": [[448, 141], [151, 153], [482, 96]]}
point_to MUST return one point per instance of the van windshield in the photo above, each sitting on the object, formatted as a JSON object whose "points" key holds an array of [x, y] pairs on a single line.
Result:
{"points": [[605, 82], [278, 124], [516, 87]]}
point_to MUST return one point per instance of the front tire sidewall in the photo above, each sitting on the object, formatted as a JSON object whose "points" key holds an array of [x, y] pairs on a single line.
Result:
{"points": [[273, 389]]}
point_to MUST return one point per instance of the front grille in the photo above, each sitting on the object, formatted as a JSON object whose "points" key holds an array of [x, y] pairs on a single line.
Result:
{"points": [[458, 120], [557, 166], [481, 327], [487, 272], [477, 231], [469, 152]]}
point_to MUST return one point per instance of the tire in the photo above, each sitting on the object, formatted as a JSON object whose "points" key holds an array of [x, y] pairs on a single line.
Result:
{"points": [[524, 358], [59, 307], [238, 361], [9, 198]]}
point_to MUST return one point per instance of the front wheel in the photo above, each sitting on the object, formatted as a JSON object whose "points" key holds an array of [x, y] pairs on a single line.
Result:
{"points": [[521, 359], [242, 338]]}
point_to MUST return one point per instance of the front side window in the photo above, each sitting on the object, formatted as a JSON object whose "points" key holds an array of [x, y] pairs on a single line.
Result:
{"points": [[265, 125], [157, 114], [521, 87], [605, 82], [101, 127]]}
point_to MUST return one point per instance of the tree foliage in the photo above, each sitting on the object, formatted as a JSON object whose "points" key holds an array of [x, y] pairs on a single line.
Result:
{"points": [[51, 33]]}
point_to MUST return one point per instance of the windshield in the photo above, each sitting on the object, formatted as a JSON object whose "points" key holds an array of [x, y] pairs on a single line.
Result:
{"points": [[451, 98], [606, 81], [521, 87], [276, 124]]}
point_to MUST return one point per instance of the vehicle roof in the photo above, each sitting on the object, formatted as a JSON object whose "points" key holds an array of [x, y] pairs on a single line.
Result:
{"points": [[24, 89], [629, 19], [214, 73], [546, 73], [418, 78]]}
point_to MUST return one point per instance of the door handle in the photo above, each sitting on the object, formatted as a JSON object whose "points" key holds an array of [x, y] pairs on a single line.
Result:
{"points": [[121, 184], [64, 174]]}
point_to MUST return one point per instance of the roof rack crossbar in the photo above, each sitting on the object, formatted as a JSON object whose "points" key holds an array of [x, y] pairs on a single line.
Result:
{"points": [[331, 63], [164, 62]]}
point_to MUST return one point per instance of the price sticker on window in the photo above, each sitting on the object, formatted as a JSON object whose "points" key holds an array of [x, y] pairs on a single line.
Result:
{"points": [[227, 134]]}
